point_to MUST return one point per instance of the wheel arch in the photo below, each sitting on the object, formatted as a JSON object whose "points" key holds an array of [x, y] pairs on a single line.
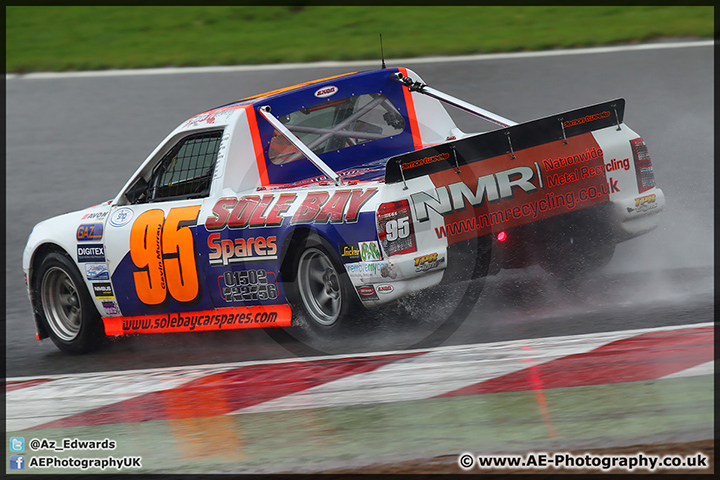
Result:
{"points": [[288, 252], [298, 241], [293, 240]]}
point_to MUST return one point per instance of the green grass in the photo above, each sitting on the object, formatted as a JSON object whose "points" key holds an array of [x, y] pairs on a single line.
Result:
{"points": [[45, 38]]}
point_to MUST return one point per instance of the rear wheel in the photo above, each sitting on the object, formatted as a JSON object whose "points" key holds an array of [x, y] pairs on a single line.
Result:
{"points": [[319, 285], [66, 308], [321, 289]]}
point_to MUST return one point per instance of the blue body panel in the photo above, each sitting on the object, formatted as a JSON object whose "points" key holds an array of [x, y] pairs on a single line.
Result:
{"points": [[377, 81], [220, 286]]}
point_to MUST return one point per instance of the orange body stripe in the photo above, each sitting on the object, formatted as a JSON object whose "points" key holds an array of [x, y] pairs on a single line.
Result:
{"points": [[257, 145], [258, 316], [299, 85], [414, 128]]}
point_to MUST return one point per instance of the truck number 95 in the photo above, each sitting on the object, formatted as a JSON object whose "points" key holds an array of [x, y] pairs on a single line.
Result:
{"points": [[163, 250], [397, 229]]}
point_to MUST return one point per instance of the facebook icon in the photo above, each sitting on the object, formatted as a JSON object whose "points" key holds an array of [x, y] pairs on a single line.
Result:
{"points": [[17, 462]]}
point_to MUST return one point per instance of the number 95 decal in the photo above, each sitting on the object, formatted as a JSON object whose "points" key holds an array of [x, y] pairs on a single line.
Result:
{"points": [[163, 249], [397, 229]]}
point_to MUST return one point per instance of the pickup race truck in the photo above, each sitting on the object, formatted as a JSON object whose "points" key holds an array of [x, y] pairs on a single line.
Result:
{"points": [[299, 204]]}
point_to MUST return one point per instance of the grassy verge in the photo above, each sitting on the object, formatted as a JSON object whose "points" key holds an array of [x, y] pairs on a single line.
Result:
{"points": [[49, 38]]}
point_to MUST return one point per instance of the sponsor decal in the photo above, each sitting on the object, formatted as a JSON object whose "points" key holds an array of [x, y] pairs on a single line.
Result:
{"points": [[103, 291], [111, 308], [228, 251], [533, 209], [342, 206], [343, 174], [97, 271], [222, 318], [426, 160], [643, 204], [493, 187], [367, 292], [369, 251], [554, 180], [428, 262], [255, 211], [586, 118], [645, 200], [617, 165], [349, 252], [94, 215], [325, 92], [121, 216], [385, 289], [90, 253], [212, 116], [490, 196], [249, 211], [588, 154], [248, 286], [89, 232], [371, 269]]}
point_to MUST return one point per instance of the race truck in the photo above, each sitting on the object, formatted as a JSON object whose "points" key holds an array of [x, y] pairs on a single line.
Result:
{"points": [[297, 205]]}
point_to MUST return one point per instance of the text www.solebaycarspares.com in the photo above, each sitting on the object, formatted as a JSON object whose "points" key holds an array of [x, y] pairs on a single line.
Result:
{"points": [[551, 201], [192, 321], [566, 460]]}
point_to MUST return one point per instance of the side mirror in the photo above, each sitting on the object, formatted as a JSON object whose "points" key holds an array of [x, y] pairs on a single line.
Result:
{"points": [[137, 191]]}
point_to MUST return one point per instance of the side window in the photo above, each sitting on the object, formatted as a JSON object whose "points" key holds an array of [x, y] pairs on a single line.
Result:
{"points": [[186, 171], [337, 124]]}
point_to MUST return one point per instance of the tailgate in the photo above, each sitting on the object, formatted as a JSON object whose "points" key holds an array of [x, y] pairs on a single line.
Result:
{"points": [[494, 181]]}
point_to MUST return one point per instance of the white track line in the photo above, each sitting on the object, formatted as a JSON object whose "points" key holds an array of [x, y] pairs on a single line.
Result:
{"points": [[702, 369], [362, 63]]}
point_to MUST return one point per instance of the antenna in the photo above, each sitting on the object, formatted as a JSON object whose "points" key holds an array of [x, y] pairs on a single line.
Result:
{"points": [[382, 53]]}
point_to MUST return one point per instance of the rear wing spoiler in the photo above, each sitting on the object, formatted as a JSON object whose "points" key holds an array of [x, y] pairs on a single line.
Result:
{"points": [[508, 140]]}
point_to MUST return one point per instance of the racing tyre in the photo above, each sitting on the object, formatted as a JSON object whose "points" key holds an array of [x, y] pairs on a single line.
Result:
{"points": [[65, 306], [321, 288]]}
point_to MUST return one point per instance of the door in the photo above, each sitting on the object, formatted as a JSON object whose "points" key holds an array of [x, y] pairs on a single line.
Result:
{"points": [[151, 239]]}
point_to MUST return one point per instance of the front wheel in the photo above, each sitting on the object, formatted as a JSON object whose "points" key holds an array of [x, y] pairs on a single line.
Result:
{"points": [[66, 309]]}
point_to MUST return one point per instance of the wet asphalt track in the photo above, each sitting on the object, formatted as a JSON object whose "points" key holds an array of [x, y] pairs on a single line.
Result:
{"points": [[73, 142]]}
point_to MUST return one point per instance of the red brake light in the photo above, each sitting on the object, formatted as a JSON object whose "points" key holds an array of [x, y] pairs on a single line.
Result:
{"points": [[643, 165], [395, 228]]}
